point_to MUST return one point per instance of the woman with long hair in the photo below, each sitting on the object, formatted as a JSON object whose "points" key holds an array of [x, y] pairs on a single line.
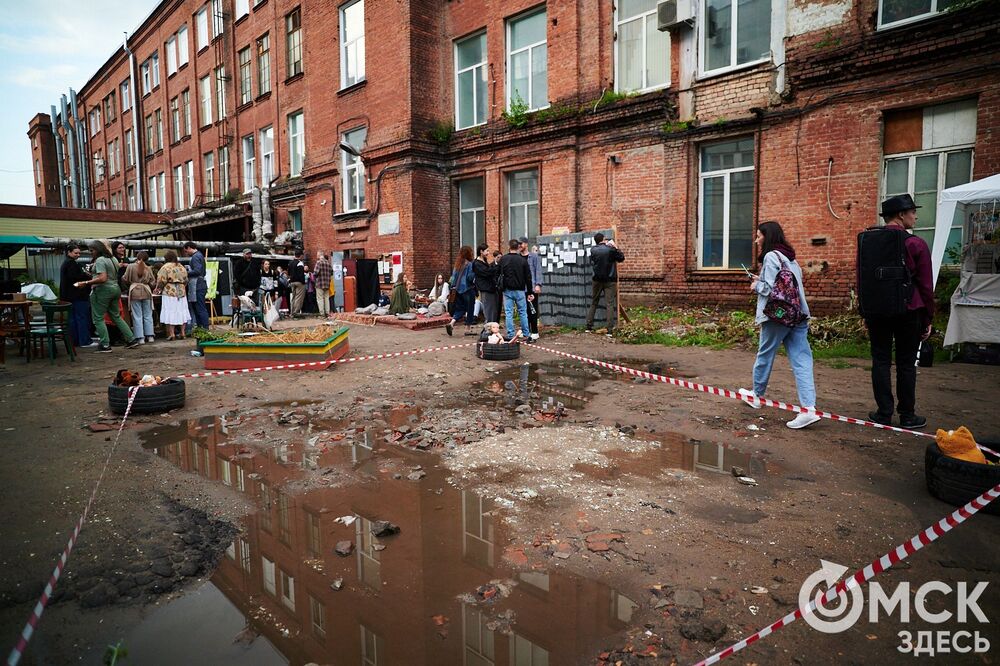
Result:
{"points": [[171, 282], [463, 284], [399, 301], [486, 270], [140, 281], [106, 296], [775, 254]]}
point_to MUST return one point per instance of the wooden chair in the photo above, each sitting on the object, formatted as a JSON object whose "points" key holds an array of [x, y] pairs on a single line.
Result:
{"points": [[56, 325]]}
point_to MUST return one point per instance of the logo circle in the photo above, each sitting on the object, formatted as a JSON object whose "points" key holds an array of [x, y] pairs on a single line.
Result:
{"points": [[849, 608]]}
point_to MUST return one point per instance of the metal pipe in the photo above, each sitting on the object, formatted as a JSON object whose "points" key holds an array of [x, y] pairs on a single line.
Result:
{"points": [[215, 246], [74, 186], [83, 140], [57, 138], [137, 160]]}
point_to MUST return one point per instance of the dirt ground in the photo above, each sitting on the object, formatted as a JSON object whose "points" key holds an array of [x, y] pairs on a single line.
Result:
{"points": [[548, 510]]}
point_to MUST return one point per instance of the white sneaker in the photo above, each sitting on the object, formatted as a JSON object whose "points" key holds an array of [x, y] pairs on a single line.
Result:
{"points": [[91, 345], [534, 336], [142, 341], [803, 419], [751, 399]]}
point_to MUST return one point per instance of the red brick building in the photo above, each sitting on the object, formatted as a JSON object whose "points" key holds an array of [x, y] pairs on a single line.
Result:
{"points": [[485, 120]]}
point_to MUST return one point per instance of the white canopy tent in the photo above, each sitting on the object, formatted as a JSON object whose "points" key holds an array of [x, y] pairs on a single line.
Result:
{"points": [[960, 198]]}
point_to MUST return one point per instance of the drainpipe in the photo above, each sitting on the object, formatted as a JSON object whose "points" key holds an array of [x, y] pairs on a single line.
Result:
{"points": [[82, 141], [137, 160], [59, 155], [74, 186]]}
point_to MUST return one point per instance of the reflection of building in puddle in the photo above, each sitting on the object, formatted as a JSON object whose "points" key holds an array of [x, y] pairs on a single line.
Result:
{"points": [[279, 572]]}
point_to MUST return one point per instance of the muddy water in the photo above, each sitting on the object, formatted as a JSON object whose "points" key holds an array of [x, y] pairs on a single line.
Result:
{"points": [[407, 598]]}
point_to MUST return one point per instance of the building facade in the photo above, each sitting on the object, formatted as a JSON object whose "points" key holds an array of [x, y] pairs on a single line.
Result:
{"points": [[483, 121]]}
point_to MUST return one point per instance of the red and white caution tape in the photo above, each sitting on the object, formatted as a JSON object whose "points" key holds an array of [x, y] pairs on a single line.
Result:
{"points": [[289, 366], [899, 554], [36, 613]]}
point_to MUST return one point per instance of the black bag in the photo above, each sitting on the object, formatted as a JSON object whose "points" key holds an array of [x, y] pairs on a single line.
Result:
{"points": [[884, 282]]}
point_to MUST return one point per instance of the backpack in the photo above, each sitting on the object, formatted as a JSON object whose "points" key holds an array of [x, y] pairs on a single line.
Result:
{"points": [[784, 305], [885, 285]]}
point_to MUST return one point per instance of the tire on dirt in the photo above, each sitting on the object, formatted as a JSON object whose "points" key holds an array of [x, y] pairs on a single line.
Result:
{"points": [[957, 481], [498, 352], [150, 399]]}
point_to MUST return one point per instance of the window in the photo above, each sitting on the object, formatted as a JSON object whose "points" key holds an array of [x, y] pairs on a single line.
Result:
{"points": [[471, 212], [527, 61], [525, 653], [129, 149], [126, 95], [171, 51], [477, 528], [154, 65], [246, 81], [266, 156], [263, 65], [175, 120], [287, 590], [354, 171], [161, 181], [642, 53], [295, 219], [152, 195], [352, 40], [130, 192], [296, 143], [317, 616], [264, 514], [223, 170], [522, 204], [189, 172], [726, 211], [314, 538], [244, 555], [371, 647], [217, 18], [734, 33], [38, 173], [208, 159], [116, 160], [150, 143], [284, 525], [95, 120], [900, 12], [293, 41], [186, 112], [205, 100], [178, 187], [182, 45], [159, 129], [249, 159], [220, 91], [470, 81], [242, 8], [268, 567], [201, 27], [110, 108], [144, 76]]}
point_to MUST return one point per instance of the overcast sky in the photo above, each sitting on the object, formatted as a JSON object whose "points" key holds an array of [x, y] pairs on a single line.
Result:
{"points": [[46, 48]]}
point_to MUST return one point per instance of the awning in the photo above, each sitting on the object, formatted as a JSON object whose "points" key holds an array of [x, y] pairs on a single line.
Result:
{"points": [[11, 245], [203, 220]]}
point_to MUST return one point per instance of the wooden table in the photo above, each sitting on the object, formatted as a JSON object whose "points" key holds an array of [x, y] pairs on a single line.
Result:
{"points": [[10, 327]]}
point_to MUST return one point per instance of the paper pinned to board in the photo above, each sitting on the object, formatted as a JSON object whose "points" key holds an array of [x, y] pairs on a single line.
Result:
{"points": [[550, 267], [588, 241], [575, 245], [542, 249], [559, 265], [569, 257], [579, 252]]}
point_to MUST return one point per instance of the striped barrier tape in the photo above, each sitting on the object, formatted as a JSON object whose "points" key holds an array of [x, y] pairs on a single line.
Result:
{"points": [[36, 613], [726, 393], [899, 554]]}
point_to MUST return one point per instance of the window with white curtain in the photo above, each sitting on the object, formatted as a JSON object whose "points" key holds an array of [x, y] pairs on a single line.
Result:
{"points": [[266, 156], [642, 53], [189, 172], [201, 27], [208, 160], [179, 187], [352, 41], [182, 45], [205, 100], [249, 163], [470, 81], [527, 60], [296, 143], [153, 207], [242, 8], [171, 51]]}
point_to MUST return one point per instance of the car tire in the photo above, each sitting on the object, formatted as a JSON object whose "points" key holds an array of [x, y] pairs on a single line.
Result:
{"points": [[157, 399], [498, 352], [957, 482]]}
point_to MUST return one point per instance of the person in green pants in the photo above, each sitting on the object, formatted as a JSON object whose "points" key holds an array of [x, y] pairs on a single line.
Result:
{"points": [[106, 296]]}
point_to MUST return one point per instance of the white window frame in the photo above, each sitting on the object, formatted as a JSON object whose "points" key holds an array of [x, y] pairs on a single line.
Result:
{"points": [[208, 160], [224, 182], [479, 213], [130, 193], [269, 572], [246, 75], [201, 28], [38, 173], [125, 90], [145, 77], [508, 88], [170, 48], [175, 119], [161, 179], [182, 46], [475, 81], [205, 100], [152, 195], [618, 22], [186, 111], [179, 187], [702, 176], [129, 149], [154, 61], [189, 169], [297, 48], [287, 589], [703, 25], [249, 162], [158, 114], [537, 202], [913, 19], [357, 45], [242, 9], [220, 90], [318, 628], [263, 60], [267, 173], [296, 143], [218, 24], [353, 168]]}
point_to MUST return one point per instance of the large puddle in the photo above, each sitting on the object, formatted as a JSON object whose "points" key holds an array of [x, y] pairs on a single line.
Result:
{"points": [[402, 599]]}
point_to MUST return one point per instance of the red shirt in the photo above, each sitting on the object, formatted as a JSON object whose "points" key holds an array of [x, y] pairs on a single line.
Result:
{"points": [[918, 261]]}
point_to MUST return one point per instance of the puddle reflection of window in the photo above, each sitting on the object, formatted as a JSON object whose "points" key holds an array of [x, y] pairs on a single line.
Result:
{"points": [[709, 457], [371, 647], [281, 453], [622, 607], [525, 653], [477, 543], [478, 640], [362, 450], [206, 459], [284, 526], [225, 472], [265, 506], [287, 589], [241, 478], [314, 541], [536, 579], [310, 460], [317, 616], [244, 554], [268, 568], [193, 455], [369, 566], [231, 551]]}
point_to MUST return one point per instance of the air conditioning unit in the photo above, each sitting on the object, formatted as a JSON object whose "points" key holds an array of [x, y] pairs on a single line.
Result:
{"points": [[672, 13]]}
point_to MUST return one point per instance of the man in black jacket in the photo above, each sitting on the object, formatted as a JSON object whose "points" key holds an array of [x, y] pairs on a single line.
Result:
{"points": [[246, 271], [79, 297], [604, 256], [516, 276], [486, 271]]}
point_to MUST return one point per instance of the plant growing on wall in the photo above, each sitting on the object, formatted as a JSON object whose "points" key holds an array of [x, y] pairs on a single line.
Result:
{"points": [[441, 132], [517, 115]]}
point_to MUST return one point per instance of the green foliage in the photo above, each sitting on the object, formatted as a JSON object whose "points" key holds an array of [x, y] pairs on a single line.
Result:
{"points": [[114, 654], [829, 40], [676, 126], [611, 97], [441, 132], [205, 335], [517, 115], [557, 112], [719, 122]]}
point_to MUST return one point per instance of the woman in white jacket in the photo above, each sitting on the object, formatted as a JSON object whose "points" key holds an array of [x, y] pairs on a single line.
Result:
{"points": [[775, 253]]}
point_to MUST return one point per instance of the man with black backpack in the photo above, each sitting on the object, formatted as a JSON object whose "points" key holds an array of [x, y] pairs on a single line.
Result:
{"points": [[896, 299]]}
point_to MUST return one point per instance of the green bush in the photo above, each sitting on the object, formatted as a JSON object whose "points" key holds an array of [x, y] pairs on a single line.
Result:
{"points": [[517, 115]]}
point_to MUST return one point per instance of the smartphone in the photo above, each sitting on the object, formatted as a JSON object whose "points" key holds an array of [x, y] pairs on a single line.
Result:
{"points": [[747, 271]]}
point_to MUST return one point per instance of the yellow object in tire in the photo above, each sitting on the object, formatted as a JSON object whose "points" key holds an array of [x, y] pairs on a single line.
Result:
{"points": [[960, 444]]}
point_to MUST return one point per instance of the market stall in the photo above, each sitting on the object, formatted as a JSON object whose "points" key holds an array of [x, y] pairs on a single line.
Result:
{"points": [[975, 304]]}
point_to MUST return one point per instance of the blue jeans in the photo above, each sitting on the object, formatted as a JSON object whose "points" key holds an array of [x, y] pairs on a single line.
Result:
{"points": [[199, 310], [519, 299], [465, 306], [772, 335], [79, 322], [142, 317]]}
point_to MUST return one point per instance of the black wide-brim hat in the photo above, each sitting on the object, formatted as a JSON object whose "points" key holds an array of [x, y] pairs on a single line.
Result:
{"points": [[897, 204]]}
